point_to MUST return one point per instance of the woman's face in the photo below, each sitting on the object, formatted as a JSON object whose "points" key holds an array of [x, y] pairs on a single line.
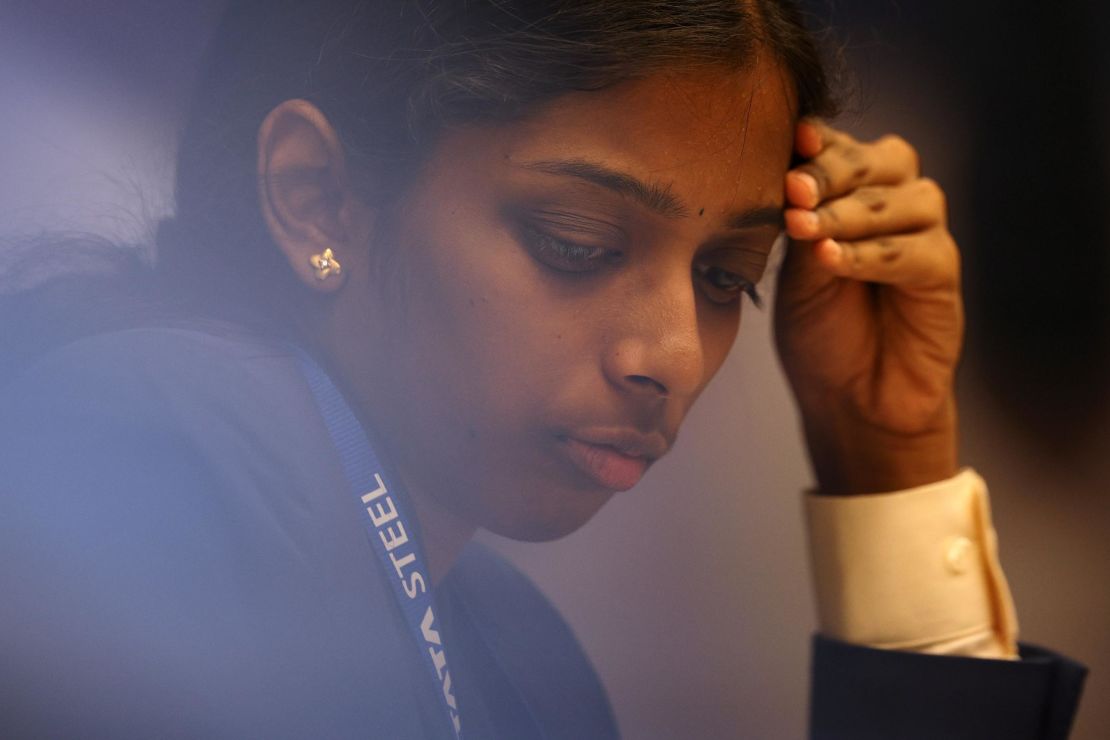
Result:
{"points": [[563, 288]]}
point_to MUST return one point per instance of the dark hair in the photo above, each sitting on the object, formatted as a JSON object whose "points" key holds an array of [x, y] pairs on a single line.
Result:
{"points": [[391, 74]]}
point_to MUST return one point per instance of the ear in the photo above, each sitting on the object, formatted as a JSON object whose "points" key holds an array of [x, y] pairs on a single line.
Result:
{"points": [[306, 196]]}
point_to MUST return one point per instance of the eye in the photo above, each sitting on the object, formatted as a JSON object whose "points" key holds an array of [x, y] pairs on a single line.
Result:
{"points": [[565, 255], [724, 287]]}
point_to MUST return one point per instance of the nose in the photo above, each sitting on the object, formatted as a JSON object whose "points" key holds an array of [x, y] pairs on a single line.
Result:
{"points": [[658, 352]]}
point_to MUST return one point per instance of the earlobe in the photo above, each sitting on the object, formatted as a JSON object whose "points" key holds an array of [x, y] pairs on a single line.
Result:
{"points": [[306, 199]]}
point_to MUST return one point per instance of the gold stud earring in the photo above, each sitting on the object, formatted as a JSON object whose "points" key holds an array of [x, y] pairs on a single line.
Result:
{"points": [[326, 264]]}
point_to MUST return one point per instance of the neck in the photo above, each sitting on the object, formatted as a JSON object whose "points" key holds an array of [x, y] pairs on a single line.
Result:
{"points": [[445, 534]]}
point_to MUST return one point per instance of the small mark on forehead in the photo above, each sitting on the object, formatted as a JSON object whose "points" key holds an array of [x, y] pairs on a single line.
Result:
{"points": [[701, 211]]}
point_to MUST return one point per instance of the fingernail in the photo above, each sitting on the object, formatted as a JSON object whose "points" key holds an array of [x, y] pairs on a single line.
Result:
{"points": [[832, 249], [810, 183]]}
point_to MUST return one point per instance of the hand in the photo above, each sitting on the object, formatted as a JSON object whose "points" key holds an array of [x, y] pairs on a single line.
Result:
{"points": [[868, 314]]}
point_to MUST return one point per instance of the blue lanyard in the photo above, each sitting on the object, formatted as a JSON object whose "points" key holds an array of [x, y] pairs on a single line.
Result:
{"points": [[391, 529]]}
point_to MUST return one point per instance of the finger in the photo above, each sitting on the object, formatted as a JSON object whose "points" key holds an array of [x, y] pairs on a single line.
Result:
{"points": [[869, 211], [923, 260], [845, 164], [810, 137]]}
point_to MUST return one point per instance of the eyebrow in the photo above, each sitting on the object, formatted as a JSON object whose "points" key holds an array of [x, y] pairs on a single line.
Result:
{"points": [[758, 216], [655, 197]]}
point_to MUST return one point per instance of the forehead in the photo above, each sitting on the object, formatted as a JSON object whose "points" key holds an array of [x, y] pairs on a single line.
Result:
{"points": [[720, 137]]}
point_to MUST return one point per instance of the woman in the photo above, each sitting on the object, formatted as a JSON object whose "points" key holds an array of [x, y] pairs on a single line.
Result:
{"points": [[441, 266]]}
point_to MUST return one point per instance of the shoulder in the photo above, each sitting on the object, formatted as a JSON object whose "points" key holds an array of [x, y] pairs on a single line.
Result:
{"points": [[178, 417], [208, 386], [214, 411], [160, 364], [532, 644], [175, 535], [212, 437]]}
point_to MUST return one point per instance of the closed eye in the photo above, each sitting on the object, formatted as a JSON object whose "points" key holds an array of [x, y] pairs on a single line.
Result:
{"points": [[563, 254], [723, 287]]}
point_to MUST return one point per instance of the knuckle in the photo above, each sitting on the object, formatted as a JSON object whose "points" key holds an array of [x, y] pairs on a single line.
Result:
{"points": [[871, 204], [951, 249], [853, 256], [837, 136], [854, 164], [889, 251], [934, 194], [851, 152], [903, 150], [945, 260], [830, 214]]}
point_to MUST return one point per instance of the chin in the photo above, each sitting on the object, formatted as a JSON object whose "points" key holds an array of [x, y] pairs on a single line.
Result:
{"points": [[549, 516]]}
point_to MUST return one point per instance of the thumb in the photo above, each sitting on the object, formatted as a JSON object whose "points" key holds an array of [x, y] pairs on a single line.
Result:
{"points": [[805, 277]]}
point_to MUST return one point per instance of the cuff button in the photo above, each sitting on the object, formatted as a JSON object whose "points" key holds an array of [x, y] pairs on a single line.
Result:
{"points": [[957, 557]]}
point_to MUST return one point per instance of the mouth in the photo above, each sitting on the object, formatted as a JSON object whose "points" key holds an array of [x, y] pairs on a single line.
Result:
{"points": [[616, 464]]}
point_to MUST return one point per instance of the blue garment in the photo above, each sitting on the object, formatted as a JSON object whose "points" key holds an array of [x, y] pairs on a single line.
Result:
{"points": [[180, 556]]}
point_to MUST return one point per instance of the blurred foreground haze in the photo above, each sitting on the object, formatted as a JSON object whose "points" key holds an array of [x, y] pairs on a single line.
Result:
{"points": [[691, 593]]}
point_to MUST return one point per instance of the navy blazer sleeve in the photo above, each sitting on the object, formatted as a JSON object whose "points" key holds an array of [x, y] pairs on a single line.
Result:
{"points": [[861, 693]]}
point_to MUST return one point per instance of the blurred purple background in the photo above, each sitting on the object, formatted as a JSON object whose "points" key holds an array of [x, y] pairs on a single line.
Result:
{"points": [[691, 593]]}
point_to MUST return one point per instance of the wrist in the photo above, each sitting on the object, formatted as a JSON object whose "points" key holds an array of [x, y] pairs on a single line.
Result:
{"points": [[852, 456]]}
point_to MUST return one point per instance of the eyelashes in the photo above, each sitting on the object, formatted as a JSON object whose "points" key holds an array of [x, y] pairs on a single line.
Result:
{"points": [[564, 255], [725, 287], [720, 286]]}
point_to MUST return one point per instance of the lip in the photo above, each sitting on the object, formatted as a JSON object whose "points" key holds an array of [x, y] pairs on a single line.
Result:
{"points": [[614, 459]]}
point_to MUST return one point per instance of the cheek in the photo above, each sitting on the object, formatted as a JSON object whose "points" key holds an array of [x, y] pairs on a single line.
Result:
{"points": [[488, 336], [718, 334], [494, 361], [718, 331]]}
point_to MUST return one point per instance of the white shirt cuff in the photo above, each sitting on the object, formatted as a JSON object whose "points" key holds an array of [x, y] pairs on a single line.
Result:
{"points": [[913, 570]]}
